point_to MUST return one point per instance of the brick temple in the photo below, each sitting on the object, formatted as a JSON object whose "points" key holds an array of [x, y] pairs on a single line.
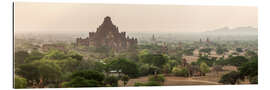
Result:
{"points": [[108, 35]]}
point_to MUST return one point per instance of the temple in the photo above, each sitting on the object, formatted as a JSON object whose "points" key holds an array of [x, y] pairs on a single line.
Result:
{"points": [[108, 35]]}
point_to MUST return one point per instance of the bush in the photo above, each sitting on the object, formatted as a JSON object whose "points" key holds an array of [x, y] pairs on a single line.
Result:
{"points": [[125, 79], [112, 80], [254, 80], [180, 71], [150, 83], [139, 84], [158, 78], [20, 82], [239, 49], [250, 69], [230, 78], [204, 68], [86, 78]]}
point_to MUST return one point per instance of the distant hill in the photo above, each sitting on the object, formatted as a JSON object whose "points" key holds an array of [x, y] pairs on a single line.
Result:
{"points": [[239, 31]]}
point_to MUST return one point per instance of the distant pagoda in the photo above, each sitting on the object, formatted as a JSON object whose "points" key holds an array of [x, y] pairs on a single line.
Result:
{"points": [[108, 35]]}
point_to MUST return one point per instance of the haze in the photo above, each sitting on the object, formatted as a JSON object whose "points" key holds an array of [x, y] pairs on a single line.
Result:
{"points": [[82, 18]]}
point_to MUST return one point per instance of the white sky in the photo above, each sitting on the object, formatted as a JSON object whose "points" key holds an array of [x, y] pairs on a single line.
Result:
{"points": [[75, 17]]}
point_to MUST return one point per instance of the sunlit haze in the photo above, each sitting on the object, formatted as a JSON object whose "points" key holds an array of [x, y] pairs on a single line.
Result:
{"points": [[81, 18]]}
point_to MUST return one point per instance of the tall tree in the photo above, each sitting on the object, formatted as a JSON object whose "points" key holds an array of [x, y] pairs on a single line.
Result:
{"points": [[204, 68]]}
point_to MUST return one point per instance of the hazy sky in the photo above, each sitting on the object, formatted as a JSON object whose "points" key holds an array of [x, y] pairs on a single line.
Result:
{"points": [[81, 18]]}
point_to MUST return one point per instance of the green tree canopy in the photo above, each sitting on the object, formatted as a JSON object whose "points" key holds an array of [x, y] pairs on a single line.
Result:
{"points": [[250, 69], [230, 78], [20, 82], [125, 79], [20, 57], [112, 81], [34, 55], [125, 66], [204, 68], [154, 59], [85, 78]]}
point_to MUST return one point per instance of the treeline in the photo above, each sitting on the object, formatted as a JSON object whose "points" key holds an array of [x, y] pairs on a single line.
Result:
{"points": [[69, 69]]}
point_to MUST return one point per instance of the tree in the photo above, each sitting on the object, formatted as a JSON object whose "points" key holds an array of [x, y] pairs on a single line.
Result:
{"points": [[20, 57], [220, 50], [250, 69], [173, 63], [20, 82], [236, 61], [111, 80], [81, 82], [125, 66], [206, 50], [67, 65], [158, 78], [85, 78], [30, 72], [125, 79], [230, 78], [239, 50], [49, 72], [34, 55], [76, 56], [204, 68], [180, 71], [146, 69], [188, 51], [40, 71], [154, 59], [56, 55], [206, 59]]}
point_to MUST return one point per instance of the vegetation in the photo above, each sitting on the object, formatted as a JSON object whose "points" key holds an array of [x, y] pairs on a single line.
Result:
{"points": [[248, 69], [206, 50], [20, 82], [220, 50], [154, 59], [125, 79], [180, 71], [112, 81], [122, 65], [207, 60], [149, 83], [85, 79], [101, 67], [204, 68], [230, 78], [157, 78]]}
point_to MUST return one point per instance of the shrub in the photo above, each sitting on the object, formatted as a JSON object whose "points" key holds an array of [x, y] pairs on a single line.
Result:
{"points": [[150, 83], [86, 78], [180, 71], [20, 82], [254, 80], [112, 80], [157, 78], [125, 79], [204, 68], [230, 78], [139, 84]]}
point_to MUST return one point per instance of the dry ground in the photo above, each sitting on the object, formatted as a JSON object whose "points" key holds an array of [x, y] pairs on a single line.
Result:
{"points": [[209, 79]]}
